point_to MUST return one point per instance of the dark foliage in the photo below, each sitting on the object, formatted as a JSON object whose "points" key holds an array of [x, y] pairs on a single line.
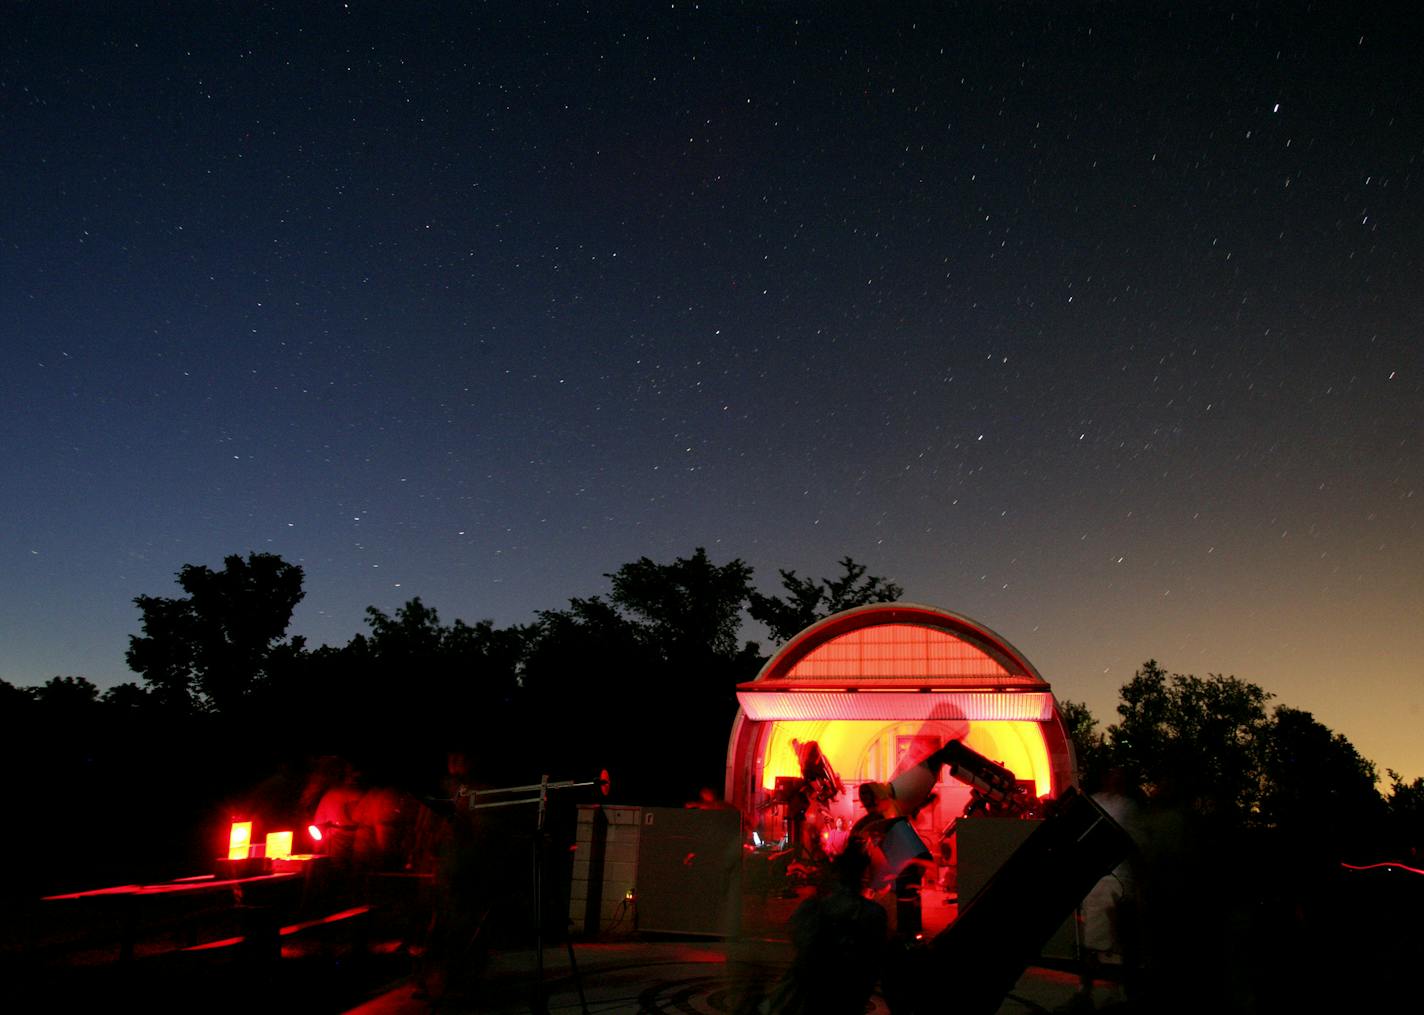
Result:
{"points": [[1089, 746], [1203, 736], [1282, 779], [644, 682], [1404, 810], [210, 649], [807, 600]]}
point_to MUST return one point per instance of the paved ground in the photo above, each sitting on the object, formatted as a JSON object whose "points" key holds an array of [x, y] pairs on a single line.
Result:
{"points": [[690, 977], [1357, 947], [660, 976]]}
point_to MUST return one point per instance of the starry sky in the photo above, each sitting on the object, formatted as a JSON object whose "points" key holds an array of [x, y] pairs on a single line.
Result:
{"points": [[1098, 323]]}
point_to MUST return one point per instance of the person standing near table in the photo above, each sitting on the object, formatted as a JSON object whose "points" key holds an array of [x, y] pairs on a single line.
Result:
{"points": [[457, 847]]}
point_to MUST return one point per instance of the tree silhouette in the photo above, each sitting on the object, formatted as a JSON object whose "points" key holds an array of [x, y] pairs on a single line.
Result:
{"points": [[1404, 810], [690, 609], [14, 700], [808, 600], [644, 681], [1204, 737], [126, 697], [413, 633], [67, 694], [587, 673], [209, 649], [1315, 787], [1089, 745], [1210, 742], [414, 688]]}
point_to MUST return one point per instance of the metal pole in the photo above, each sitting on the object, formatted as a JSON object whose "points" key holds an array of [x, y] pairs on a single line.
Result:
{"points": [[539, 1006]]}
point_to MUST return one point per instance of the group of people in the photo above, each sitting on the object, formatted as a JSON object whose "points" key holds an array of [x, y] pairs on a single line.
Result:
{"points": [[364, 826], [1133, 925], [1158, 932], [843, 937]]}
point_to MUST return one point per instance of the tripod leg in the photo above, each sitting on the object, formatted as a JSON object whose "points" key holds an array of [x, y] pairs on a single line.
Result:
{"points": [[540, 1006], [578, 980]]}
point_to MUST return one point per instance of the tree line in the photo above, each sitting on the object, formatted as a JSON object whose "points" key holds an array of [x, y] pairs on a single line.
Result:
{"points": [[640, 680], [1276, 777]]}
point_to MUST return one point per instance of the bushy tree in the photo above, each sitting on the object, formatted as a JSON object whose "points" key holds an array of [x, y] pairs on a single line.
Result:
{"points": [[1404, 813], [400, 696], [1202, 737], [13, 699], [1089, 746], [587, 677], [67, 694], [644, 681], [689, 609], [413, 633], [126, 697], [1315, 787], [1210, 741], [807, 600], [209, 648]]}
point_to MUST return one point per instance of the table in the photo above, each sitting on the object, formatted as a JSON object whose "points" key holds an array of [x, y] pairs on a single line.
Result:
{"points": [[131, 904]]}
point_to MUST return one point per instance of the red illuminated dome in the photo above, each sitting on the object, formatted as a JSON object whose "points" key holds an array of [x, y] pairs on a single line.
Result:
{"points": [[878, 688]]}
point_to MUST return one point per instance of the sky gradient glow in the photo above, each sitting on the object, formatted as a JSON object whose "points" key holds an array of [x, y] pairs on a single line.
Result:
{"points": [[1100, 325]]}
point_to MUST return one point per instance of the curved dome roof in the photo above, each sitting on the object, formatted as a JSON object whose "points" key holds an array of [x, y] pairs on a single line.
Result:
{"points": [[898, 646]]}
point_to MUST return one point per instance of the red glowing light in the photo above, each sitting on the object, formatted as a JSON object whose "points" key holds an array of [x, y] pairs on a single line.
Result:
{"points": [[1386, 864], [315, 832]]}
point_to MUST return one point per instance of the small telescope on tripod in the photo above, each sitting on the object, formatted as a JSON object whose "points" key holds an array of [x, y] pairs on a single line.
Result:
{"points": [[475, 799], [470, 797]]}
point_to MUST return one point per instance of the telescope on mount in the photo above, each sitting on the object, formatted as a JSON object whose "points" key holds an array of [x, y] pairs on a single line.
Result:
{"points": [[993, 786]]}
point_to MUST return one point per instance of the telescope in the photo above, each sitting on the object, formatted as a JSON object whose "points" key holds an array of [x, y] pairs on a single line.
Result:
{"points": [[993, 785], [468, 797], [998, 933]]}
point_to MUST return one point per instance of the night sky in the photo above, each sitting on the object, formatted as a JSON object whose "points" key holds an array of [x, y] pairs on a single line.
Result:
{"points": [[1100, 324]]}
